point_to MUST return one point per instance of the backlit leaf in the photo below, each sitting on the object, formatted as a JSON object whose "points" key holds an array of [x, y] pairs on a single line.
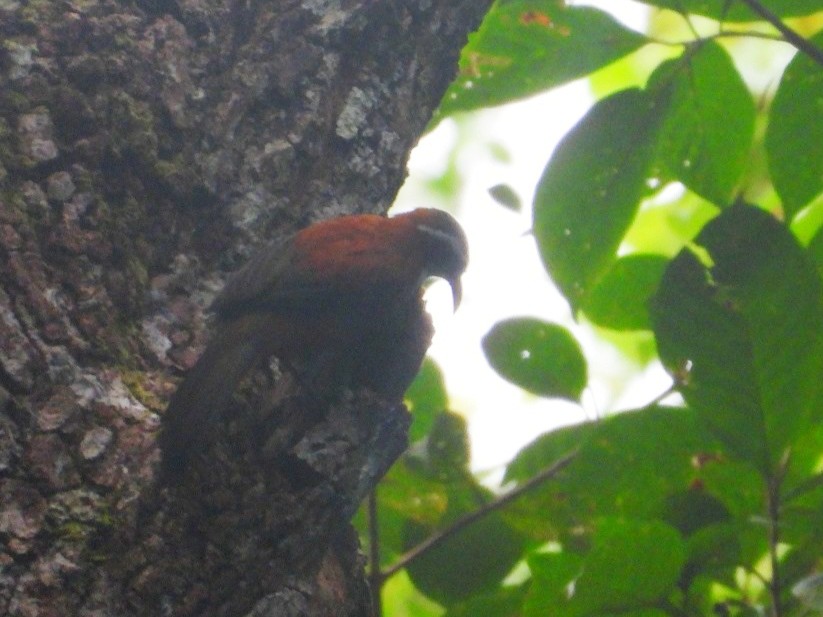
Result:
{"points": [[620, 299], [474, 560], [744, 334], [794, 136], [737, 11], [701, 143], [425, 398], [527, 46], [591, 189]]}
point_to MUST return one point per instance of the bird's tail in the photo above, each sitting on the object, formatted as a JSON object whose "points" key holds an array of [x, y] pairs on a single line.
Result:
{"points": [[204, 393]]}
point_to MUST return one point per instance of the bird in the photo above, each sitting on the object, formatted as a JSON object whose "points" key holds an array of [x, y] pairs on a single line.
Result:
{"points": [[341, 297]]}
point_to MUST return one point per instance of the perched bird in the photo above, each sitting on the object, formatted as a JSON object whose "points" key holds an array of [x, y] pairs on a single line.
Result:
{"points": [[342, 297]]}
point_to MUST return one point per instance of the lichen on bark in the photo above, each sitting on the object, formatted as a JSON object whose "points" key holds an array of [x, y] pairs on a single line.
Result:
{"points": [[146, 147]]}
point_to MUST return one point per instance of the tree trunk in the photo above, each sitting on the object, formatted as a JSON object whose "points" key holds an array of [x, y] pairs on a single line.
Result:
{"points": [[146, 148]]}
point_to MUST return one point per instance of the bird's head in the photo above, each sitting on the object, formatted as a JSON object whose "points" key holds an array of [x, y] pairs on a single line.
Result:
{"points": [[446, 250]]}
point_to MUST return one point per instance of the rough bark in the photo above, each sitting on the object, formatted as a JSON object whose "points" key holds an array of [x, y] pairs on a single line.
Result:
{"points": [[146, 147]]}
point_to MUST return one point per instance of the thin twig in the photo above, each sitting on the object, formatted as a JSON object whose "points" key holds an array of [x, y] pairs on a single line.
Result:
{"points": [[464, 521], [723, 34], [663, 395], [793, 37], [375, 579]]}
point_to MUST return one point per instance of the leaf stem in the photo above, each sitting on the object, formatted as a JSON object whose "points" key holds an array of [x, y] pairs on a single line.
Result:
{"points": [[663, 395], [464, 521]]}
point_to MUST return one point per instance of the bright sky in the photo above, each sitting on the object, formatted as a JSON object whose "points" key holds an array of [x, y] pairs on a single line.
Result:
{"points": [[505, 277]]}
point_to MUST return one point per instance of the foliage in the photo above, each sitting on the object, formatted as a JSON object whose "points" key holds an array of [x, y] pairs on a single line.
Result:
{"points": [[713, 504]]}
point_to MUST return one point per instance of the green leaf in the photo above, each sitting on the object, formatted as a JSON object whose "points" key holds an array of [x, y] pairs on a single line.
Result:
{"points": [[591, 190], [809, 221], [552, 573], [640, 612], [706, 523], [693, 509], [447, 447], [709, 121], [620, 299], [425, 398], [665, 228], [737, 484], [406, 493], [737, 11], [527, 46], [712, 550], [474, 560], [794, 136], [744, 336], [421, 486], [503, 602], [400, 597], [506, 196], [631, 564], [540, 357], [627, 465], [815, 250]]}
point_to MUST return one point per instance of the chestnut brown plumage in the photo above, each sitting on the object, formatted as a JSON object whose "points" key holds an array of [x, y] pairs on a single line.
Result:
{"points": [[344, 292]]}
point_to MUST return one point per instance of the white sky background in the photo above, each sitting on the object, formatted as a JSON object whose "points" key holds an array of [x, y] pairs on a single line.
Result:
{"points": [[505, 276]]}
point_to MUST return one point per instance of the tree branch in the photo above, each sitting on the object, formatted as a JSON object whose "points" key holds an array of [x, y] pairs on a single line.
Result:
{"points": [[465, 521], [803, 44]]}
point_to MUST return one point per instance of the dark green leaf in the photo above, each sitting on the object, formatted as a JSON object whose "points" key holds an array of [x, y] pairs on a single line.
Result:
{"points": [[737, 484], [809, 591], [552, 573], [709, 121], [735, 10], [473, 561], [712, 549], [425, 398], [422, 487], [640, 612], [505, 196], [627, 465], [794, 137], [707, 348], [804, 480], [692, 510], [802, 503], [503, 602], [815, 250], [405, 494], [744, 336], [448, 447], [631, 564], [620, 299], [540, 357], [526, 46], [591, 189]]}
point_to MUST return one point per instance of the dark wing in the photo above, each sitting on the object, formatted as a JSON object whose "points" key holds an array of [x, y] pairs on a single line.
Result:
{"points": [[343, 255], [255, 281]]}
